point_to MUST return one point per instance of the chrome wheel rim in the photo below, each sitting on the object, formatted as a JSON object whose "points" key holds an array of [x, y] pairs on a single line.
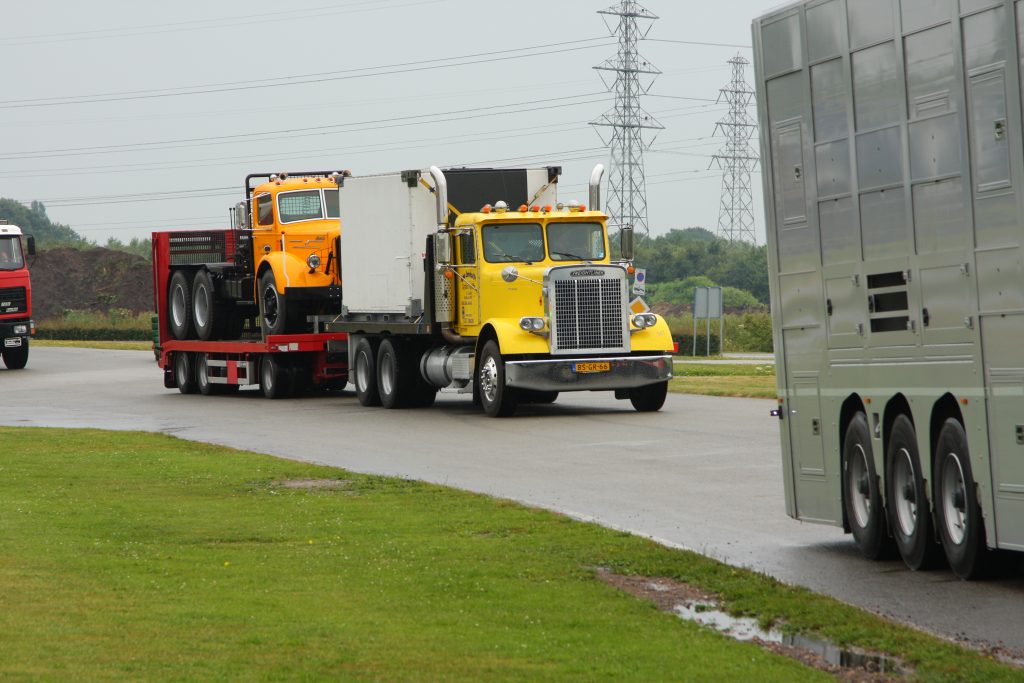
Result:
{"points": [[202, 306], [387, 373], [954, 498], [362, 372], [905, 489], [268, 375], [180, 370], [858, 487], [178, 304], [489, 379], [201, 365]]}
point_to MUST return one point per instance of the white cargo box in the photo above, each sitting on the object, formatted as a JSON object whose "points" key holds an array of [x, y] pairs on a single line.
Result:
{"points": [[386, 219]]}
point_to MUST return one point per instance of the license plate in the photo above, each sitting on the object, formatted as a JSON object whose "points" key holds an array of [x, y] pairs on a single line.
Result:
{"points": [[12, 342], [591, 367]]}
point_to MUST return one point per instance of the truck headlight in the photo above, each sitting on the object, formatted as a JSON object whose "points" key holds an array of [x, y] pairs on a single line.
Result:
{"points": [[645, 320], [313, 261], [21, 329], [531, 324]]}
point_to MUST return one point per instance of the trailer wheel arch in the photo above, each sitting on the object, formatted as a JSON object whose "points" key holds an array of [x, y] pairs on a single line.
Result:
{"points": [[945, 408]]}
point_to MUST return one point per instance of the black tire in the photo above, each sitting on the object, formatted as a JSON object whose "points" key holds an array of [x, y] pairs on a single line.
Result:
{"points": [[862, 498], [301, 378], [273, 305], [208, 315], [275, 378], [364, 371], [907, 501], [179, 305], [16, 357], [203, 376], [497, 399], [422, 394], [185, 372], [539, 397], [957, 513], [392, 374], [649, 398]]}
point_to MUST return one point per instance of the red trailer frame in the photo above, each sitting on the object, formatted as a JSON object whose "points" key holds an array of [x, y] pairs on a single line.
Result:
{"points": [[282, 365]]}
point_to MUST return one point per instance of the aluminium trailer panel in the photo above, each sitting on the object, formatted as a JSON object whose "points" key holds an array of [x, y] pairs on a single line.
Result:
{"points": [[892, 140]]}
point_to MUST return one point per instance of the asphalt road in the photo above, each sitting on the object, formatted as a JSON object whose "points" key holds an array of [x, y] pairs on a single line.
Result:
{"points": [[703, 473]]}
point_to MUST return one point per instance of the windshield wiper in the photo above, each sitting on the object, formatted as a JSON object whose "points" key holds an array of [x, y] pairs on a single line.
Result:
{"points": [[572, 256]]}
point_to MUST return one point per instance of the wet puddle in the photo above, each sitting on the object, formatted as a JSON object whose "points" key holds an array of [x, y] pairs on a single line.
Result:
{"points": [[702, 608], [747, 628]]}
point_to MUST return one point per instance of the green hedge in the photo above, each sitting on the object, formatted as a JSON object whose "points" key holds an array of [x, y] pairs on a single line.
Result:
{"points": [[74, 333]]}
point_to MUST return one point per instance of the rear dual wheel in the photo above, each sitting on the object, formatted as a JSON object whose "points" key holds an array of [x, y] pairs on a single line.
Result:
{"points": [[399, 381], [957, 513], [862, 498], [909, 511]]}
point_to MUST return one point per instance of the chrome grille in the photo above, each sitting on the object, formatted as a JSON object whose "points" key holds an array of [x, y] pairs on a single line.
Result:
{"points": [[588, 313], [13, 300]]}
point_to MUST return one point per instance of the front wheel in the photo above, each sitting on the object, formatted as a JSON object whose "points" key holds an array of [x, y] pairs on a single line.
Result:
{"points": [[862, 499], [650, 398], [16, 357], [273, 305], [958, 515], [497, 399], [909, 513]]}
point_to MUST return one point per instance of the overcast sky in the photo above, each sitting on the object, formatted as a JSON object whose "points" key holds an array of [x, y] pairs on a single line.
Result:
{"points": [[128, 117]]}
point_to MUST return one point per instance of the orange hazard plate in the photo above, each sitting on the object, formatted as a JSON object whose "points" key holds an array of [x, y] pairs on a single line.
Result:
{"points": [[592, 367]]}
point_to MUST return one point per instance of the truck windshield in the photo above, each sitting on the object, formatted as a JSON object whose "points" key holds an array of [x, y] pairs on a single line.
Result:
{"points": [[10, 254], [575, 241], [505, 242], [304, 205]]}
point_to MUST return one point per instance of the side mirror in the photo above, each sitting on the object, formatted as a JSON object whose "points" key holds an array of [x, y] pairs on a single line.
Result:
{"points": [[442, 248], [626, 242], [31, 245]]}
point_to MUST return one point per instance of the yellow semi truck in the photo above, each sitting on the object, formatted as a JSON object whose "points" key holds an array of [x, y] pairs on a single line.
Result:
{"points": [[278, 264], [515, 300]]}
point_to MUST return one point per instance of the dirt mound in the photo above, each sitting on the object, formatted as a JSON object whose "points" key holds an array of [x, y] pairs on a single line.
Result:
{"points": [[89, 280]]}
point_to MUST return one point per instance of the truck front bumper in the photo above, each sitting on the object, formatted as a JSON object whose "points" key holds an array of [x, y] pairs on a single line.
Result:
{"points": [[580, 374], [15, 330]]}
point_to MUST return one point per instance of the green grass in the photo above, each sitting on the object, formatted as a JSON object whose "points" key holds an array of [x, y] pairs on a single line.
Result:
{"points": [[742, 380], [139, 556]]}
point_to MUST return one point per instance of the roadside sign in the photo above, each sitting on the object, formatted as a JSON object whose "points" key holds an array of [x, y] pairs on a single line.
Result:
{"points": [[640, 281], [638, 305]]}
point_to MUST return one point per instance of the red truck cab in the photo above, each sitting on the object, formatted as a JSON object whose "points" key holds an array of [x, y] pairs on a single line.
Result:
{"points": [[16, 324]]}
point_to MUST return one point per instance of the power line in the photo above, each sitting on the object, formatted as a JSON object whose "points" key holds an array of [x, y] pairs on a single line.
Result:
{"points": [[504, 109], [349, 74], [696, 42], [200, 24]]}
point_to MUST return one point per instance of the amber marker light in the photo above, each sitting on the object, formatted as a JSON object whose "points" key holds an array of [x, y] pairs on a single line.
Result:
{"points": [[448, 274], [630, 269], [523, 208], [535, 208], [963, 401]]}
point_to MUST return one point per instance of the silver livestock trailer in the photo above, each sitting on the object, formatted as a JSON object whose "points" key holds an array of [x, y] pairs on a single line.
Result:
{"points": [[892, 144]]}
